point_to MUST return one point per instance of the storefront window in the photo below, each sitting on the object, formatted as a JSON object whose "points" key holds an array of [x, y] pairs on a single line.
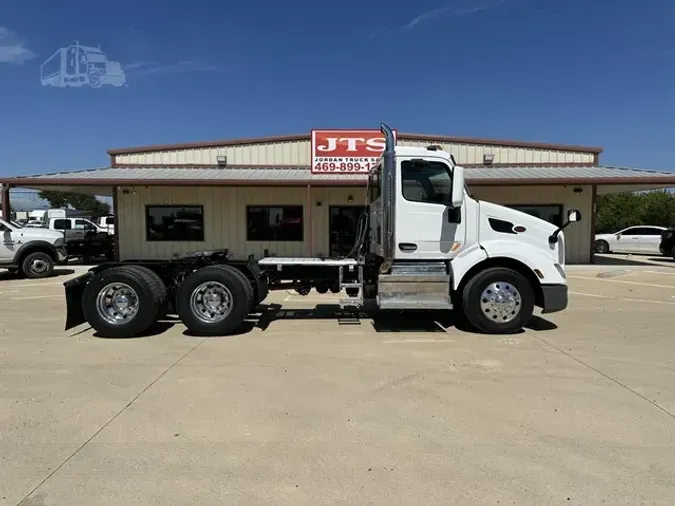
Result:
{"points": [[548, 212], [174, 223], [274, 223]]}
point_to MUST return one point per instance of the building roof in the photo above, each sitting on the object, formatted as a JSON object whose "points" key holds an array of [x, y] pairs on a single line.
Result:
{"points": [[401, 136], [301, 176]]}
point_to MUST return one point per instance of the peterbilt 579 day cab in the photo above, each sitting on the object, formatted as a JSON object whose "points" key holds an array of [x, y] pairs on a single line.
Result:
{"points": [[423, 243]]}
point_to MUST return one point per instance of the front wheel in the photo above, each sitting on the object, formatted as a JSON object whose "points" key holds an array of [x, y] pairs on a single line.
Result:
{"points": [[601, 246], [498, 301], [37, 265]]}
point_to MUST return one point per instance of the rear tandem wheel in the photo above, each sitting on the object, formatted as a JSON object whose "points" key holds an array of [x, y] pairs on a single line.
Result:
{"points": [[215, 300], [124, 301]]}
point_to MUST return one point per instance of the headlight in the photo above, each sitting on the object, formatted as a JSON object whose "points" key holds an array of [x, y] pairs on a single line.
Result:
{"points": [[561, 249]]}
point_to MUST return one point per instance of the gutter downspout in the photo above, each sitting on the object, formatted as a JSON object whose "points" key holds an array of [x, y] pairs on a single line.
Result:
{"points": [[309, 220]]}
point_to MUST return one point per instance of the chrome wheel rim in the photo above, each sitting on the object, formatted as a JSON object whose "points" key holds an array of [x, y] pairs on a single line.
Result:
{"points": [[211, 302], [39, 266], [501, 302], [117, 303]]}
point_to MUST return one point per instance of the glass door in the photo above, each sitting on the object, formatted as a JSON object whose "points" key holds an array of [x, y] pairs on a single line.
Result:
{"points": [[342, 228]]}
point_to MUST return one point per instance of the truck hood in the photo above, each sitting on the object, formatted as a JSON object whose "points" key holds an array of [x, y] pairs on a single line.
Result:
{"points": [[542, 227], [535, 234]]}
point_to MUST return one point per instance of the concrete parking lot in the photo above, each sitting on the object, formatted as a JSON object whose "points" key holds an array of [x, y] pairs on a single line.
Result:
{"points": [[307, 407]]}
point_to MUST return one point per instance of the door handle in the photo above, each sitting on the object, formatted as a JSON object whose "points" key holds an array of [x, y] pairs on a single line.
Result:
{"points": [[407, 247]]}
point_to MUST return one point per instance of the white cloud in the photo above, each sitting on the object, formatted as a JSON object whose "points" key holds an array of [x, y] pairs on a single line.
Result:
{"points": [[147, 68], [460, 8], [12, 48]]}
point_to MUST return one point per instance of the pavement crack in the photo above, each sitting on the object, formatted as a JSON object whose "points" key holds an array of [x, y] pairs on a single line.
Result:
{"points": [[605, 375], [24, 501]]}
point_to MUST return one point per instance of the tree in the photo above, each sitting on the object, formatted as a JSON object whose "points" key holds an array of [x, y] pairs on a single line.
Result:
{"points": [[80, 201], [617, 211]]}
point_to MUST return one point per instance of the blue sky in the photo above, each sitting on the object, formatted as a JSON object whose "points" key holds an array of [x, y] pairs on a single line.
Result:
{"points": [[595, 72]]}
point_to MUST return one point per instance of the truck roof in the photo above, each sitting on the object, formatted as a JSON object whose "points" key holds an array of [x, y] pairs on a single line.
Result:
{"points": [[422, 152]]}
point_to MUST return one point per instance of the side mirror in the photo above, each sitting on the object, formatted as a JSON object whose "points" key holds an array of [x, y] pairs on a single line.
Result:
{"points": [[573, 215], [457, 198]]}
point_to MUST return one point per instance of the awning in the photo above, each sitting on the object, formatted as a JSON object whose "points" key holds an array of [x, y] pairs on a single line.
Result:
{"points": [[302, 176]]}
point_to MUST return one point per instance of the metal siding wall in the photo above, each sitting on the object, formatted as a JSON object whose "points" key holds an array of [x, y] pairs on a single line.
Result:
{"points": [[577, 235], [298, 153], [224, 220]]}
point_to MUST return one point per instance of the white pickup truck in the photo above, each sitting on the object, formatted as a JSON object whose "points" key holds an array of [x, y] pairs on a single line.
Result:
{"points": [[30, 251], [107, 223]]}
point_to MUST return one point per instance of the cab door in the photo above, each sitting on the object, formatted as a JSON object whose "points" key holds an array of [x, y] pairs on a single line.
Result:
{"points": [[7, 244], [427, 227]]}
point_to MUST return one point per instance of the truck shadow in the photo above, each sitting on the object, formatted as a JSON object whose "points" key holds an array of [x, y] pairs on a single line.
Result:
{"points": [[381, 321]]}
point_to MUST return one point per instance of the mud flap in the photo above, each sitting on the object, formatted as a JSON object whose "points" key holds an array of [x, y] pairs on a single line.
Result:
{"points": [[74, 294]]}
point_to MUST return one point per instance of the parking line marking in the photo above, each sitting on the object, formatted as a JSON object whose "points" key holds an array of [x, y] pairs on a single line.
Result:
{"points": [[35, 285], [406, 341], [593, 295], [623, 282], [644, 301], [36, 297], [660, 272]]}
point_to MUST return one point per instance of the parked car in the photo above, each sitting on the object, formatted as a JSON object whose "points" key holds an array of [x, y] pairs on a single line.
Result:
{"points": [[84, 239], [30, 251], [107, 223], [643, 239]]}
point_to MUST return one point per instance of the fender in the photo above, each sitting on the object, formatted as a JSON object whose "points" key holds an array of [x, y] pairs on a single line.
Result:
{"points": [[535, 258], [36, 244], [465, 260]]}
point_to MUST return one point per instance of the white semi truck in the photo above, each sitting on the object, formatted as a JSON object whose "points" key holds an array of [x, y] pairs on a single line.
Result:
{"points": [[423, 243]]}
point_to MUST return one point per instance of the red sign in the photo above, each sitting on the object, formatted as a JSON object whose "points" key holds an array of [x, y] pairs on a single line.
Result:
{"points": [[346, 151]]}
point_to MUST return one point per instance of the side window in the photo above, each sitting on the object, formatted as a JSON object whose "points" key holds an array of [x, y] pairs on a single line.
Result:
{"points": [[629, 231], [83, 225], [648, 231], [62, 224], [174, 223], [428, 182]]}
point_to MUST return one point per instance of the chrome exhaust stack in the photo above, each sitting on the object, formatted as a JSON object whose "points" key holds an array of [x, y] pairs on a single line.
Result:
{"points": [[388, 198]]}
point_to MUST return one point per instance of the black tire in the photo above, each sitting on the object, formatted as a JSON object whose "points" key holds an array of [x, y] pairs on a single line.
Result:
{"points": [[37, 265], [248, 286], [241, 302], [485, 319], [601, 246], [149, 289], [94, 80]]}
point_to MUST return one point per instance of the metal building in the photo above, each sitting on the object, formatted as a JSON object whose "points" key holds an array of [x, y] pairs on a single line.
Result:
{"points": [[252, 195]]}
